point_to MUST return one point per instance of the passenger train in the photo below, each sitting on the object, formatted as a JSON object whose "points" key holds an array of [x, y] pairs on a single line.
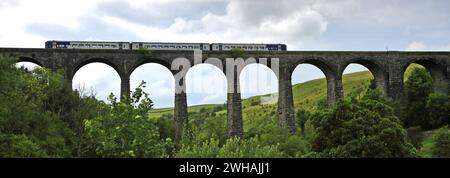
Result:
{"points": [[163, 46]]}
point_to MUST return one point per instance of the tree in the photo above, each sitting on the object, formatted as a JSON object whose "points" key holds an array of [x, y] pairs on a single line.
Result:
{"points": [[438, 110], [126, 130], [302, 117], [417, 88], [365, 127], [441, 140], [33, 112]]}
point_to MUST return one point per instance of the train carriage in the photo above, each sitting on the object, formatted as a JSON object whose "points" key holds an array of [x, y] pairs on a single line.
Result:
{"points": [[163, 46]]}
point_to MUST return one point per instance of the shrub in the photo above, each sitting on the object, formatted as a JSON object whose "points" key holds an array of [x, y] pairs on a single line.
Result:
{"points": [[363, 127], [441, 139]]}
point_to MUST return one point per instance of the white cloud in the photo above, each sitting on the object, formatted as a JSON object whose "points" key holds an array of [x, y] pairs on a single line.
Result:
{"points": [[420, 46]]}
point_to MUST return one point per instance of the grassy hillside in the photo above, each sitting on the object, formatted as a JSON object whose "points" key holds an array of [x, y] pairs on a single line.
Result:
{"points": [[306, 95]]}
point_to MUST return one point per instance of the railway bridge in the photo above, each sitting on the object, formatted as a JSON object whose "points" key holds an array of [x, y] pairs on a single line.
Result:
{"points": [[387, 67]]}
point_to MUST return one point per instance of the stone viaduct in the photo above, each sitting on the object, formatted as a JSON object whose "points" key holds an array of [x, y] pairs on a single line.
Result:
{"points": [[387, 67]]}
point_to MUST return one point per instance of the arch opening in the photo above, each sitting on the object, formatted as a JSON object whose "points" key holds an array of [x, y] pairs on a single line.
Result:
{"points": [[97, 79], [435, 72], [95, 60], [30, 66], [160, 83], [29, 60], [258, 79], [259, 93], [361, 74], [141, 62], [356, 79], [206, 84], [309, 86]]}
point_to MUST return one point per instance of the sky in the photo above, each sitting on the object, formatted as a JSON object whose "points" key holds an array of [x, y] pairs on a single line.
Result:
{"points": [[348, 25]]}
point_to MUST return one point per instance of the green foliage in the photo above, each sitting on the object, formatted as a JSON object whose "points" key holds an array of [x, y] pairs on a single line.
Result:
{"points": [[126, 131], [365, 127], [417, 88], [19, 146], [233, 148], [424, 107], [38, 110], [441, 140], [438, 109], [302, 116]]}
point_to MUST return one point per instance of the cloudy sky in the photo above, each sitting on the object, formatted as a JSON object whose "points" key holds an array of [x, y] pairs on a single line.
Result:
{"points": [[301, 24]]}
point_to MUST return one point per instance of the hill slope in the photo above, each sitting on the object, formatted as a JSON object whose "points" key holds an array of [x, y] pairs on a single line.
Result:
{"points": [[306, 95]]}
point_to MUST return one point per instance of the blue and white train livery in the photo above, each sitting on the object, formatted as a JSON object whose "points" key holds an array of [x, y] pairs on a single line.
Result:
{"points": [[163, 46]]}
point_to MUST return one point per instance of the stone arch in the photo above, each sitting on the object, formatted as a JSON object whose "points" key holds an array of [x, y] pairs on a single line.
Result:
{"points": [[437, 70], [319, 63], [377, 70], [140, 62], [334, 81], [251, 60], [30, 59], [102, 83], [94, 60], [298, 69]]}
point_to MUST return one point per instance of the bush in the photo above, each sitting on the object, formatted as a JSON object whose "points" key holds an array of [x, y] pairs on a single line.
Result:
{"points": [[127, 131], [19, 146], [441, 139], [363, 127], [438, 109], [233, 148]]}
